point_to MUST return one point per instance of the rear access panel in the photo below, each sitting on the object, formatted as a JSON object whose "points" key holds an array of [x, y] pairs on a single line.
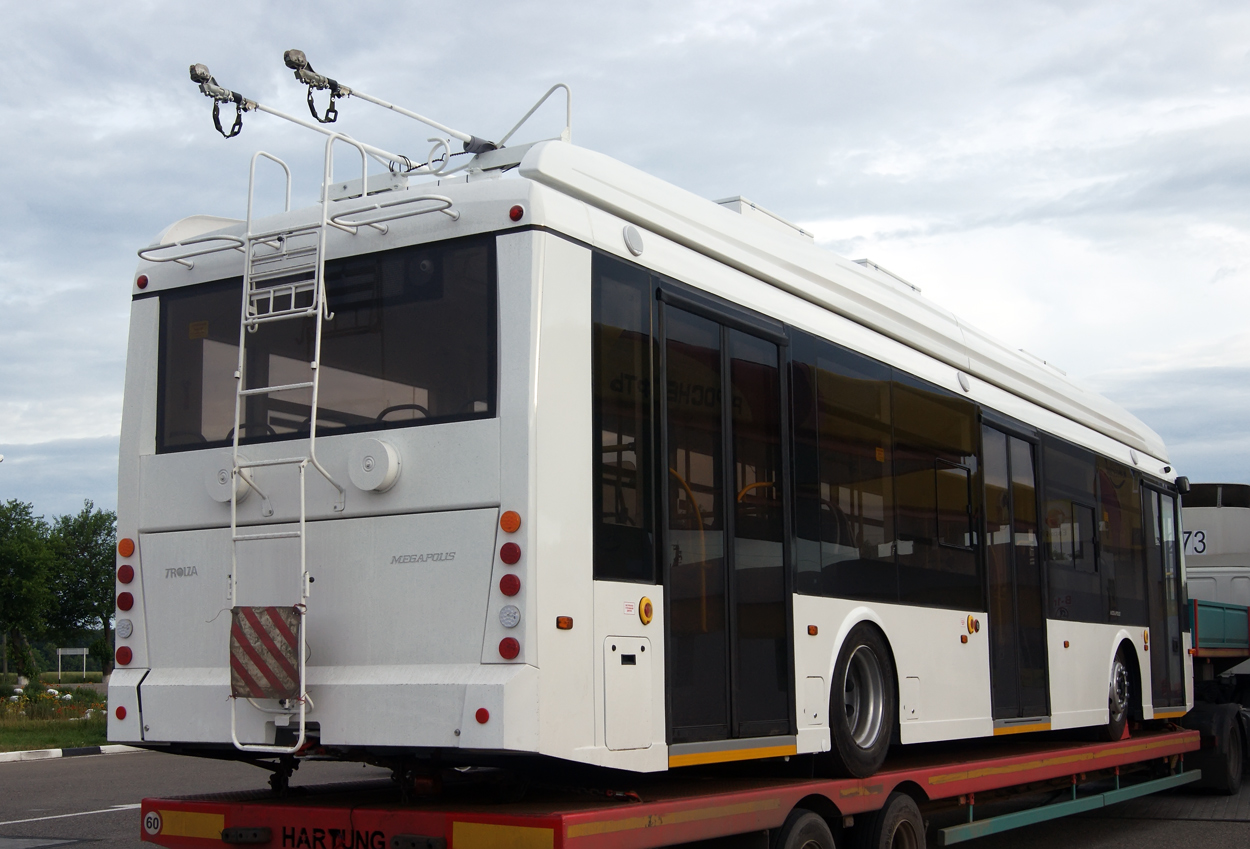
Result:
{"points": [[627, 692]]}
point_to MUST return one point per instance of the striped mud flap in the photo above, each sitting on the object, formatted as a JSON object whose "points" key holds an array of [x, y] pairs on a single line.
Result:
{"points": [[264, 652]]}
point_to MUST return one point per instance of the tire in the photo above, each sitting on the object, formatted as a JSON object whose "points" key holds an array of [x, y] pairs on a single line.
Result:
{"points": [[898, 825], [863, 705], [1119, 697], [804, 829], [1227, 781]]}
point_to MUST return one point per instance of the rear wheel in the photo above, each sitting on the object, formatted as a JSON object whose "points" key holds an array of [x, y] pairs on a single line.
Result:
{"points": [[898, 825], [1119, 696], [804, 829], [862, 705]]}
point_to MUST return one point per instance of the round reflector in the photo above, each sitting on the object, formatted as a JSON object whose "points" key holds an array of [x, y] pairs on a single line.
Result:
{"points": [[125, 547], [142, 281], [124, 656], [509, 648], [510, 553], [126, 573], [120, 713], [482, 715], [125, 601], [510, 521], [509, 585], [516, 213]]}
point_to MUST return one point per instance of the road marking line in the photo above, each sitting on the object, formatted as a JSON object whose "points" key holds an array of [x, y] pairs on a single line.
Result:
{"points": [[111, 810]]}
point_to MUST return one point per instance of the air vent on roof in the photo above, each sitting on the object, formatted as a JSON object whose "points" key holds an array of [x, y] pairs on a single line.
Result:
{"points": [[755, 212]]}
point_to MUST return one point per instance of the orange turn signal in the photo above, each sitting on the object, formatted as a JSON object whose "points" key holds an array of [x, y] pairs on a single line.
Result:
{"points": [[1065, 644], [963, 638], [510, 522], [812, 630], [125, 547], [564, 623]]}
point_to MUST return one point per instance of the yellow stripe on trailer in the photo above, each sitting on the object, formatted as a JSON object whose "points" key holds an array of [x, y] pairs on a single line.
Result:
{"points": [[481, 835], [192, 824]]}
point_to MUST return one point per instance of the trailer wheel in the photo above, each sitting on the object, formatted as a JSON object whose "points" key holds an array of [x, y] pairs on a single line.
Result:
{"points": [[862, 705], [1229, 782], [898, 825], [804, 829], [1119, 697]]}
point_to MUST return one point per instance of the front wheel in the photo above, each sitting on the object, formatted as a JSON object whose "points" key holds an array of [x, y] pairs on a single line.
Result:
{"points": [[1118, 697], [862, 704]]}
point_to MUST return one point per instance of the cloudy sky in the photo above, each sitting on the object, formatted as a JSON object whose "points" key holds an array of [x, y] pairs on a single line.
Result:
{"points": [[1073, 177]]}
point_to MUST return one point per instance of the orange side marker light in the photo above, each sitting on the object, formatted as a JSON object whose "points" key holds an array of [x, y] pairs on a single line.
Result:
{"points": [[564, 623], [510, 522], [812, 630], [125, 547]]}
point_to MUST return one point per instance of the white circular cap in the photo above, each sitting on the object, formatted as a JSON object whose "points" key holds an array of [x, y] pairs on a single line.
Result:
{"points": [[218, 478], [509, 616], [633, 239], [373, 465], [125, 628]]}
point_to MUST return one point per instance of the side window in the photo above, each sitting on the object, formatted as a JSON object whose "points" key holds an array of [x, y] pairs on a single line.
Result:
{"points": [[935, 457], [1121, 552], [624, 544], [1070, 533], [845, 500]]}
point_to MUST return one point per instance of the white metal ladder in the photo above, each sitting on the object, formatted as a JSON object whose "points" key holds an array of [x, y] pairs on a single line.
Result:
{"points": [[283, 280]]}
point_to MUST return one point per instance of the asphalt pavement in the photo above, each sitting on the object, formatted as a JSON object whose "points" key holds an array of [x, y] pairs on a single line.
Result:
{"points": [[94, 799]]}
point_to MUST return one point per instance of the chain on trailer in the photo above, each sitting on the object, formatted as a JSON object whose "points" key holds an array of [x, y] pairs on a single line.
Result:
{"points": [[283, 279]]}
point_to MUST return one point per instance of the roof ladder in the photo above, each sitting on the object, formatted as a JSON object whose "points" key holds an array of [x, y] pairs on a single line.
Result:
{"points": [[283, 280]]}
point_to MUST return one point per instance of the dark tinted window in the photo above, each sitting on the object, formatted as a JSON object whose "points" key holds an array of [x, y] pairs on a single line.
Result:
{"points": [[844, 486], [1202, 495], [1231, 495], [1121, 553], [935, 457], [412, 340], [1069, 533], [621, 306]]}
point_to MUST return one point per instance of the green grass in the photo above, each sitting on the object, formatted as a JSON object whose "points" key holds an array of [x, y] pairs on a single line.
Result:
{"points": [[18, 735]]}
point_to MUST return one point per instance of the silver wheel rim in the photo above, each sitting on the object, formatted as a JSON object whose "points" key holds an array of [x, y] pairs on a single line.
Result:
{"points": [[1119, 689], [863, 696], [904, 836]]}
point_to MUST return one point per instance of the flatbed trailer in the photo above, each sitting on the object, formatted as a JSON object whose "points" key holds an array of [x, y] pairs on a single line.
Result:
{"points": [[470, 809]]}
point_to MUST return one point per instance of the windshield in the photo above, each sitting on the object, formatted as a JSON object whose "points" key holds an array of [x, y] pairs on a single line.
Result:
{"points": [[412, 340]]}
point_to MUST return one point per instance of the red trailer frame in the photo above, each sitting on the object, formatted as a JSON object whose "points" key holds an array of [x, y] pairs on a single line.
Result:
{"points": [[675, 807]]}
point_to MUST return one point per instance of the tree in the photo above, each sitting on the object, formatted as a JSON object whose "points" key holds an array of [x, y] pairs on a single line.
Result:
{"points": [[82, 577], [25, 562]]}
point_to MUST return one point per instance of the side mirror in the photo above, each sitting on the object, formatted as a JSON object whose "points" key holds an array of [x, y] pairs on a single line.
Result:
{"points": [[1182, 485]]}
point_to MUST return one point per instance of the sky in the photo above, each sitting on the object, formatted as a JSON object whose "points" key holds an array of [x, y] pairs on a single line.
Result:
{"points": [[1072, 177]]}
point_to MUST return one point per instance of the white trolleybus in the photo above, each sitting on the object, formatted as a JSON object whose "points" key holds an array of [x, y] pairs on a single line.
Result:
{"points": [[553, 458]]}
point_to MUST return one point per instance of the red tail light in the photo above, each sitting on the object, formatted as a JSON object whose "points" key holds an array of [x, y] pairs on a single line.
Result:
{"points": [[126, 573], [509, 585], [509, 648], [124, 656], [125, 601]]}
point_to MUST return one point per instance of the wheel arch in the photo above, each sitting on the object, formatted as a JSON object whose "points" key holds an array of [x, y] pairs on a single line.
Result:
{"points": [[862, 615], [1135, 655]]}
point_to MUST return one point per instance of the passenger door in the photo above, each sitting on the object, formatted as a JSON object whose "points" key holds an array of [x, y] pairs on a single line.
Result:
{"points": [[723, 536], [1017, 624], [1164, 588]]}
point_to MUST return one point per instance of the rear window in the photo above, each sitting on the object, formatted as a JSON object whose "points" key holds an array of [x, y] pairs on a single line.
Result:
{"points": [[1201, 495], [412, 341], [1235, 495]]}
